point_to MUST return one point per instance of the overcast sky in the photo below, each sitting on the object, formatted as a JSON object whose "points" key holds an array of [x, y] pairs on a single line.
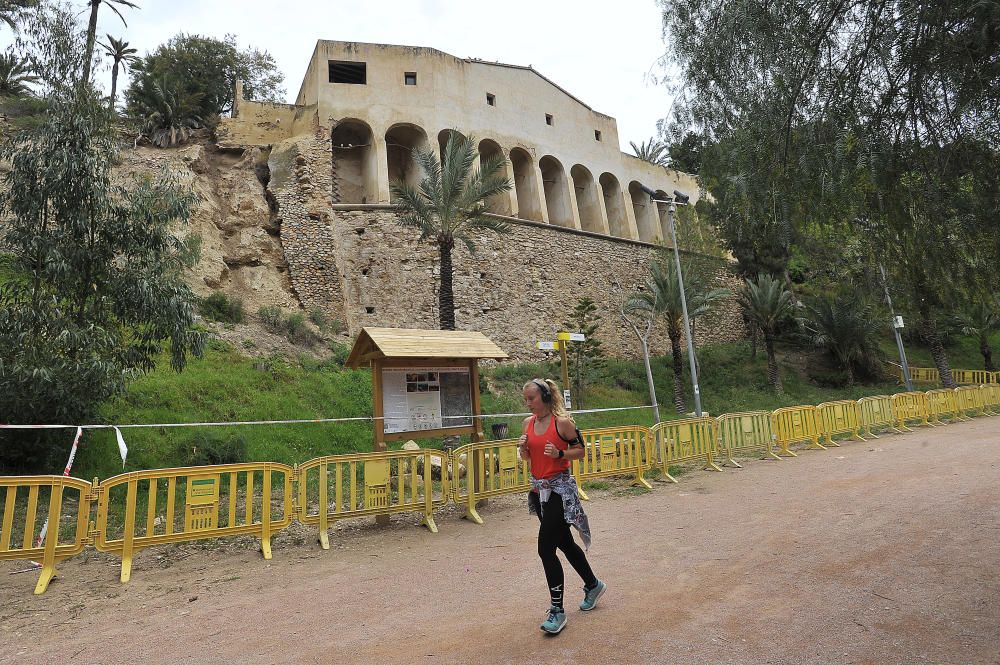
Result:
{"points": [[603, 53]]}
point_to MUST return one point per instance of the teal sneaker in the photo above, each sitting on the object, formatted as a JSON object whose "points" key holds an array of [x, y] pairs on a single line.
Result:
{"points": [[590, 597], [555, 621]]}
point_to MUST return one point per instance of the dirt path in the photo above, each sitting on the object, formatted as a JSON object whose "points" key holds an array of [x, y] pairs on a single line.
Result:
{"points": [[879, 552]]}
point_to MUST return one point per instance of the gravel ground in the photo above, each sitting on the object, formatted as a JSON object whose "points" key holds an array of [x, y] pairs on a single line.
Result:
{"points": [[884, 551]]}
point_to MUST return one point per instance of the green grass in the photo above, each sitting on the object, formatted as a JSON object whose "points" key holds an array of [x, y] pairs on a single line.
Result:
{"points": [[963, 353], [226, 386]]}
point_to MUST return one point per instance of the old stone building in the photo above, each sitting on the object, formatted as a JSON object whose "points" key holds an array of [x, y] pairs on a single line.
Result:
{"points": [[581, 225]]}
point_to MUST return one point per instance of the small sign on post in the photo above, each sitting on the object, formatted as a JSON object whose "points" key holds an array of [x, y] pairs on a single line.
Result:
{"points": [[547, 346], [897, 322]]}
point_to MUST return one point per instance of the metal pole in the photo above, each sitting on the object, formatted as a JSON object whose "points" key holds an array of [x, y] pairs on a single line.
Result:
{"points": [[899, 339], [565, 370], [671, 209]]}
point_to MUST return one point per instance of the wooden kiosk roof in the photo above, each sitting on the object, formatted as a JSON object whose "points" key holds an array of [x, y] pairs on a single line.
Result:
{"points": [[379, 343]]}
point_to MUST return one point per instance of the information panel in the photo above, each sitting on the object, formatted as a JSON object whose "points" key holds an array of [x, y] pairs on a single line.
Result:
{"points": [[415, 399]]}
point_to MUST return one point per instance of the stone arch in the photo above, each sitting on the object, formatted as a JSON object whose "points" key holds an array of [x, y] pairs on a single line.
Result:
{"points": [[646, 220], [614, 205], [529, 200], [556, 187], [587, 202], [489, 148], [354, 162], [443, 141], [400, 140]]}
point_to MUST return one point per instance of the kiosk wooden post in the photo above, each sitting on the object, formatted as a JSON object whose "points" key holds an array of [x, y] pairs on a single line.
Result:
{"points": [[428, 396]]}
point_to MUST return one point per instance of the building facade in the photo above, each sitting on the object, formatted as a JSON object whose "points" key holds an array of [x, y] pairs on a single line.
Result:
{"points": [[376, 102]]}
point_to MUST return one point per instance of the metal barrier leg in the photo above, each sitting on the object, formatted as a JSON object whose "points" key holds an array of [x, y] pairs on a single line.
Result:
{"points": [[52, 539], [129, 536], [769, 451], [470, 508], [324, 506], [710, 463]]}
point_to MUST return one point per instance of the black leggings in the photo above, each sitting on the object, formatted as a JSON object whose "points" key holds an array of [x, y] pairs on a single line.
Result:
{"points": [[554, 533]]}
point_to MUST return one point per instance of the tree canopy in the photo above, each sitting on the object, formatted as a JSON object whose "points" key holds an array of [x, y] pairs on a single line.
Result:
{"points": [[206, 70]]}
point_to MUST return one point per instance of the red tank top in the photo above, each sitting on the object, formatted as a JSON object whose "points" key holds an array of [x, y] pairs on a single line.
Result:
{"points": [[543, 466]]}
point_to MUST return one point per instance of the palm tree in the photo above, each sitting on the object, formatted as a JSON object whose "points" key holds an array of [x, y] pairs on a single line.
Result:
{"points": [[11, 10], [95, 5], [15, 74], [847, 329], [121, 55], [662, 296], [764, 301], [450, 205], [652, 151], [168, 115], [979, 320]]}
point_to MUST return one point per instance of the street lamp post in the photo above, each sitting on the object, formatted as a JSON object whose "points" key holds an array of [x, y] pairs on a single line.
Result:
{"points": [[897, 323], [672, 203]]}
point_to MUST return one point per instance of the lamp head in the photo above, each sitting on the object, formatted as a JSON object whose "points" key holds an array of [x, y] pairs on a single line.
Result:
{"points": [[681, 197]]}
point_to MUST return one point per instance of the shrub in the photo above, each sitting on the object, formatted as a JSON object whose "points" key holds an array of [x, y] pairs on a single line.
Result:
{"points": [[340, 353], [270, 317], [219, 307], [297, 330], [318, 317], [212, 448]]}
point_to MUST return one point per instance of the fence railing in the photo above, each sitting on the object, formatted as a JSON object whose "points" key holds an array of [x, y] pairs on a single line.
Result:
{"points": [[140, 509], [974, 377]]}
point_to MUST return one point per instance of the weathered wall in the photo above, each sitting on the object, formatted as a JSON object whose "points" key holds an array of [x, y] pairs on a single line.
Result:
{"points": [[360, 266]]}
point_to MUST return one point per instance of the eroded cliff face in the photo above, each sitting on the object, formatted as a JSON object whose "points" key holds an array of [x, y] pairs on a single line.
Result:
{"points": [[270, 234], [241, 252]]}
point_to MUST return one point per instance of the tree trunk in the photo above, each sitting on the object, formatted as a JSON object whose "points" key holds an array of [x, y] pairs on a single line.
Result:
{"points": [[88, 55], [754, 339], [675, 351], [930, 333], [114, 88], [773, 374], [446, 299], [984, 348]]}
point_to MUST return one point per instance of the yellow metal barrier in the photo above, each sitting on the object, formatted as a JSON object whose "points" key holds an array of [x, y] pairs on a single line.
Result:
{"points": [[910, 406], [237, 495], [367, 484], [991, 396], [677, 441], [876, 411], [970, 398], [973, 377], [493, 468], [23, 517], [612, 451], [746, 432], [795, 424], [840, 417], [924, 375], [943, 402]]}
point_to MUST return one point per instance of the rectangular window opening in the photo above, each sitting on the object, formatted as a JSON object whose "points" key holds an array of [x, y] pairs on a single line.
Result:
{"points": [[548, 119], [491, 99], [597, 134], [342, 71], [410, 78]]}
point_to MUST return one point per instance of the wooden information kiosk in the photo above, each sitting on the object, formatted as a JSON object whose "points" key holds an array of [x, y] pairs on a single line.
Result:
{"points": [[425, 383]]}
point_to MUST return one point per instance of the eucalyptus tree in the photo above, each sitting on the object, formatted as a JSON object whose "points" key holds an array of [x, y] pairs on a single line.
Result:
{"points": [[12, 11], [765, 301], [450, 205], [96, 290], [835, 110]]}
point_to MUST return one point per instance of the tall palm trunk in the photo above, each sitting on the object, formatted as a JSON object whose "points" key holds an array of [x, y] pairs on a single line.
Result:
{"points": [[446, 298], [91, 39], [928, 328], [984, 348], [674, 332], [773, 374], [114, 88]]}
